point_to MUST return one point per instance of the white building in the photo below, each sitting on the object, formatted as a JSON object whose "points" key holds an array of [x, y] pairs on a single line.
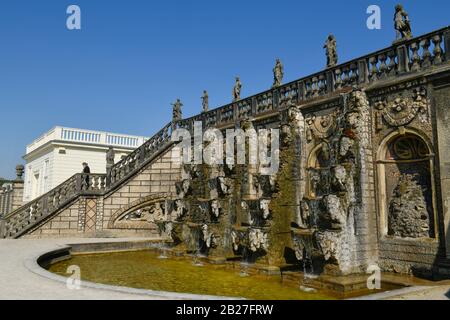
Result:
{"points": [[58, 154]]}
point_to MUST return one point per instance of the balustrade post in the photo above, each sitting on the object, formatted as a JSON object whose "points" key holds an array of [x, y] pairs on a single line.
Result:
{"points": [[447, 45], [2, 228], [363, 71], [275, 98], [254, 106], [330, 81], [301, 91], [403, 59]]}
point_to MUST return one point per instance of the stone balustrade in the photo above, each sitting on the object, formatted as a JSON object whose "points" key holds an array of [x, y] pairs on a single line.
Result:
{"points": [[409, 56], [135, 160], [21, 220]]}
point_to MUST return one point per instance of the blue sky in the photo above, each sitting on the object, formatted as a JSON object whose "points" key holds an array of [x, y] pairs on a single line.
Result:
{"points": [[133, 58]]}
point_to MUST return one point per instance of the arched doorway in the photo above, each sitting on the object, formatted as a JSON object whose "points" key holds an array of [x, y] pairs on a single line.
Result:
{"points": [[406, 188]]}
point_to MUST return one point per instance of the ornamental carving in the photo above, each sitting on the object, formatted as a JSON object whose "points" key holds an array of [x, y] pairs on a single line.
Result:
{"points": [[401, 111], [320, 127]]}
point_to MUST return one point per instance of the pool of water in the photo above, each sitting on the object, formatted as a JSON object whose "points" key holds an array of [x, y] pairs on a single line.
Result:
{"points": [[145, 270]]}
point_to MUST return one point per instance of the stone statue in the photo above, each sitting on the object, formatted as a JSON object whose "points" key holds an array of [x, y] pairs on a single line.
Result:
{"points": [[205, 101], [258, 240], [20, 169], [177, 113], [402, 23], [331, 52], [237, 90], [110, 157], [278, 73]]}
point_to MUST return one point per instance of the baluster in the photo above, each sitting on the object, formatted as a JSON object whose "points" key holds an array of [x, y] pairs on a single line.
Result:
{"points": [[392, 64], [383, 66], [345, 76], [437, 50], [354, 71], [426, 54], [322, 85], [373, 74], [308, 92], [415, 58], [338, 80], [315, 87]]}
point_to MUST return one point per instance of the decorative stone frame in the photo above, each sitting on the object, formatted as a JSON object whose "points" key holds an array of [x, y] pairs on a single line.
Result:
{"points": [[135, 205], [381, 162]]}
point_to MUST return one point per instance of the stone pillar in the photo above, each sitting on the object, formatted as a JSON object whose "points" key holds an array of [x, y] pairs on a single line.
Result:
{"points": [[18, 186], [363, 71], [2, 228], [2, 197], [17, 195], [447, 45], [441, 98], [403, 59]]}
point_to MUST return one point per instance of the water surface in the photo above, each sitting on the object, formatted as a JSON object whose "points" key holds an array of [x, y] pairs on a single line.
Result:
{"points": [[145, 270]]}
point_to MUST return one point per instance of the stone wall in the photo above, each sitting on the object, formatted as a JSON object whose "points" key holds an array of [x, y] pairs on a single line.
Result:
{"points": [[442, 118]]}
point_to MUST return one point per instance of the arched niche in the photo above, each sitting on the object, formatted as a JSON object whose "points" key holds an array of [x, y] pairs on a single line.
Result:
{"points": [[406, 194], [318, 171]]}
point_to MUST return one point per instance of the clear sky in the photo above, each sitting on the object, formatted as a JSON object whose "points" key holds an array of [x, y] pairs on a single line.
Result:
{"points": [[132, 58]]}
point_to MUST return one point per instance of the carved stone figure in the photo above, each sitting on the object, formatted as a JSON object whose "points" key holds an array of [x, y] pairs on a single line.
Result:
{"points": [[257, 240], [215, 208], [237, 90], [408, 214], [278, 74], [205, 101], [336, 213], [402, 23], [331, 51], [328, 243], [184, 188], [235, 240], [179, 210], [157, 211], [110, 156], [305, 214], [177, 114], [264, 206], [208, 237], [339, 178]]}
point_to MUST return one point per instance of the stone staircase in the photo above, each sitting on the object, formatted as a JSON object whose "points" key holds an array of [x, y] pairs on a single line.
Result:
{"points": [[20, 221]]}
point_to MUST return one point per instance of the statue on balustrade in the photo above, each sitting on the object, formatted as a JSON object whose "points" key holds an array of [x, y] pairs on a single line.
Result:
{"points": [[237, 90], [331, 51], [177, 114], [205, 101], [402, 23], [278, 73], [110, 157]]}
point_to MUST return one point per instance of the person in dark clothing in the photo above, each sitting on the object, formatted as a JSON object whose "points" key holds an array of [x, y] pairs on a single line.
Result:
{"points": [[86, 172]]}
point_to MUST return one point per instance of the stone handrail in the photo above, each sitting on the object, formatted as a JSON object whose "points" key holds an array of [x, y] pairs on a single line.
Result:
{"points": [[23, 219], [135, 160]]}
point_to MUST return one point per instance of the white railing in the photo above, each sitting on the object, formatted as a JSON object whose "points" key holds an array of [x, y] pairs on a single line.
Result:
{"points": [[88, 137]]}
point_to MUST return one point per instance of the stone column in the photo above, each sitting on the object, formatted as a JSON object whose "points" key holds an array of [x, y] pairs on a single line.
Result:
{"points": [[441, 98]]}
